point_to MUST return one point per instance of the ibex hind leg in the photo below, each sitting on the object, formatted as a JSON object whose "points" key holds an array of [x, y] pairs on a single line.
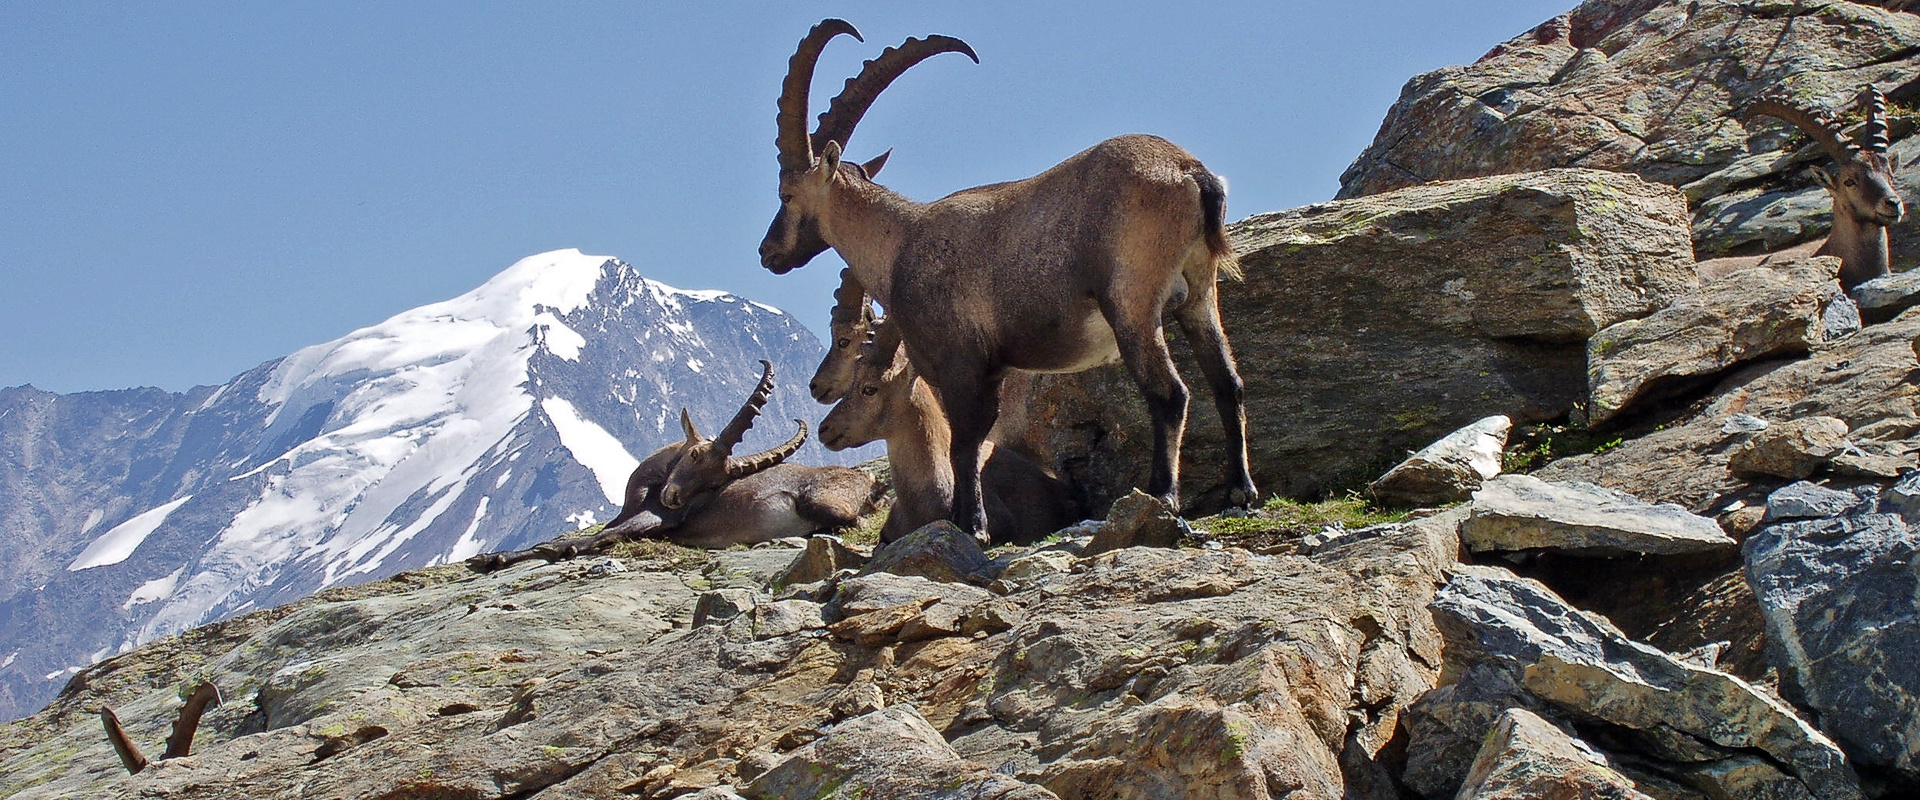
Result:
{"points": [[971, 399], [1143, 348], [1200, 320]]}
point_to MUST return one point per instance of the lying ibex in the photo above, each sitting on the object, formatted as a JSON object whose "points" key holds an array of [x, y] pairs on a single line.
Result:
{"points": [[1861, 184], [1060, 272], [697, 494], [886, 399]]}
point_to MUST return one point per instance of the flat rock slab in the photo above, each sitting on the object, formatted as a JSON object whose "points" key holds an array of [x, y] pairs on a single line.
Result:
{"points": [[1834, 576], [1883, 298], [1520, 512]]}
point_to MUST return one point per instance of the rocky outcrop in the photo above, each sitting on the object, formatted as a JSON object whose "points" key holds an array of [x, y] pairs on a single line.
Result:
{"points": [[1141, 672], [1649, 87], [1863, 380], [1449, 470], [1477, 297], [1527, 758], [1511, 643], [1833, 573], [1749, 315], [1520, 512]]}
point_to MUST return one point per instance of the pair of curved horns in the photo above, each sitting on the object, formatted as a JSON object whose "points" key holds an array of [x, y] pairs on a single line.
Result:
{"points": [[797, 148], [736, 429], [1873, 138]]}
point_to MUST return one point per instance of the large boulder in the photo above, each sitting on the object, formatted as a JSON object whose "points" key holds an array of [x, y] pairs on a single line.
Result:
{"points": [[1476, 297], [1449, 470], [1749, 315], [1863, 380], [1650, 87], [1834, 575], [1513, 643], [1521, 512]]}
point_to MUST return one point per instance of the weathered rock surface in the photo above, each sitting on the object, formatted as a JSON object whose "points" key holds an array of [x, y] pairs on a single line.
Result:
{"points": [[1528, 758], [1476, 296], [1865, 380], [824, 556], [1647, 86], [1885, 297], [1449, 470], [1834, 575], [1792, 449], [1757, 313], [1521, 512], [1143, 672], [939, 551], [1511, 643], [891, 753]]}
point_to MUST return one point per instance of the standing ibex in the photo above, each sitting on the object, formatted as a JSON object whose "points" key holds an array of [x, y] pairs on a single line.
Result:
{"points": [[886, 399], [1060, 272], [697, 494], [1861, 184]]}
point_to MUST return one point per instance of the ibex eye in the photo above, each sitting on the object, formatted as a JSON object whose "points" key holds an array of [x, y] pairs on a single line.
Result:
{"points": [[842, 343], [1849, 181], [870, 391]]}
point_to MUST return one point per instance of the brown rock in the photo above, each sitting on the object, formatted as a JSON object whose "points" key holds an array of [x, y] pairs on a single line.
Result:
{"points": [[824, 556], [1793, 449], [938, 552], [1137, 520], [1527, 758]]}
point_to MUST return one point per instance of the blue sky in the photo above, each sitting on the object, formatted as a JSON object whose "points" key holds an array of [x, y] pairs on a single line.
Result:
{"points": [[191, 189]]}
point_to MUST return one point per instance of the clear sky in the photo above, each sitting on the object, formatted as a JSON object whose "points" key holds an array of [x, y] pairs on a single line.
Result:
{"points": [[190, 189]]}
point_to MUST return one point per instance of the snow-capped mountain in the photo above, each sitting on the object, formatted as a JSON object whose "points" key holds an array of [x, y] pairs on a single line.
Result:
{"points": [[493, 420]]}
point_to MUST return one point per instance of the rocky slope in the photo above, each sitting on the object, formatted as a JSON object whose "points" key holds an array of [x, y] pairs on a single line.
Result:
{"points": [[486, 421]]}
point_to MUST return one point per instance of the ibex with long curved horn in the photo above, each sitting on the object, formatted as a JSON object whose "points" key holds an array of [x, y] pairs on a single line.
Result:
{"points": [[1861, 184], [1060, 272], [696, 493], [887, 399]]}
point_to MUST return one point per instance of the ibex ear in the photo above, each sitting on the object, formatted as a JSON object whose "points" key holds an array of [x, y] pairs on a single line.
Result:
{"points": [[830, 155], [686, 424], [1823, 177], [872, 167]]}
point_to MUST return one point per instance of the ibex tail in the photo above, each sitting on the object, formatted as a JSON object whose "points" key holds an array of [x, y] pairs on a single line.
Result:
{"points": [[1213, 210]]}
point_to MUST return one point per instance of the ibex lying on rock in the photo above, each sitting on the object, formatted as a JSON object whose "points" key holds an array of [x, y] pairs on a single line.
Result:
{"points": [[697, 494], [1060, 272], [1861, 184], [886, 399]]}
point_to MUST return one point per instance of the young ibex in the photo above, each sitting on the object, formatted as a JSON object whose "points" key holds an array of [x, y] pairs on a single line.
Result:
{"points": [[849, 327], [886, 399], [1861, 184], [697, 494], [1060, 272]]}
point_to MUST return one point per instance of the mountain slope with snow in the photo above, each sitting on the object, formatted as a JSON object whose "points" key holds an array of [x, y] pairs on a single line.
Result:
{"points": [[492, 420]]}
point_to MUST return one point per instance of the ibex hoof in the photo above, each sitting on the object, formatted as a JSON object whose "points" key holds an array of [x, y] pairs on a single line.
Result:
{"points": [[1242, 497]]}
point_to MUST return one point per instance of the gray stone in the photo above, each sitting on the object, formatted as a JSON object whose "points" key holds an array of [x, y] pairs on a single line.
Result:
{"points": [[1449, 470], [786, 617], [1841, 600], [882, 590], [938, 551], [1883, 298], [1513, 643], [721, 605], [1528, 758], [1803, 500], [1520, 512], [1840, 318], [893, 753], [823, 556], [1138, 520]]}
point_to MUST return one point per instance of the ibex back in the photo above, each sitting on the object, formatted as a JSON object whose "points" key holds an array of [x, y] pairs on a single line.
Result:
{"points": [[1060, 272]]}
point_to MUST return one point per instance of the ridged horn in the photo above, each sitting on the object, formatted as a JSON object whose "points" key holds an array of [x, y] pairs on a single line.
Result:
{"points": [[882, 345], [837, 123], [795, 150], [130, 756], [850, 304], [1822, 130], [747, 465], [1874, 137], [180, 742], [730, 436]]}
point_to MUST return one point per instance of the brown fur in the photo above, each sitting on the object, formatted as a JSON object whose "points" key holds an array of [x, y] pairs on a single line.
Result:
{"points": [[886, 399]]}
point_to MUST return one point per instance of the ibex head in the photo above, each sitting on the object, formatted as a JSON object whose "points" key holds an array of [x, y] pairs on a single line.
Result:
{"points": [[810, 164], [1861, 180], [709, 463], [877, 393], [850, 324]]}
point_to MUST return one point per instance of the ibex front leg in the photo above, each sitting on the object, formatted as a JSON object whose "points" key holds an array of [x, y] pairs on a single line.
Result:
{"points": [[1143, 347], [1200, 321], [972, 404]]}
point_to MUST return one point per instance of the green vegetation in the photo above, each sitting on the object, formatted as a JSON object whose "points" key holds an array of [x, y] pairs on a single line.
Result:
{"points": [[1285, 519], [1534, 446]]}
